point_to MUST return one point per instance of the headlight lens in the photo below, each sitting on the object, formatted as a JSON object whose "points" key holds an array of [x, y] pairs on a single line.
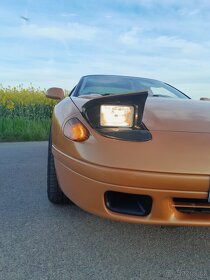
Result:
{"points": [[116, 116]]}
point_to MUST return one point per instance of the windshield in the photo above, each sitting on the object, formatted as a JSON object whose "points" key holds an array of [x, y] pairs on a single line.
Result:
{"points": [[105, 85]]}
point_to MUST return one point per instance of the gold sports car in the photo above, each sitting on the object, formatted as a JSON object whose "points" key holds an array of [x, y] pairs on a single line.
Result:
{"points": [[131, 149]]}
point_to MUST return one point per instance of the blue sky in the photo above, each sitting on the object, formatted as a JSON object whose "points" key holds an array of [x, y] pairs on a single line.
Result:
{"points": [[66, 39]]}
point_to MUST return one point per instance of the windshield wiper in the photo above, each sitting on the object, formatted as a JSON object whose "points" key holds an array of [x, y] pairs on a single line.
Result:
{"points": [[105, 94], [160, 95]]}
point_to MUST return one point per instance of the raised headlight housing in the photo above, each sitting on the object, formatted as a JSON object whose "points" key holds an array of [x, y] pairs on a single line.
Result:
{"points": [[118, 116]]}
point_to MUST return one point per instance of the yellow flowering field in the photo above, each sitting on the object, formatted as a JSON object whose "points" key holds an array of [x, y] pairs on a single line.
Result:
{"points": [[24, 114], [29, 103]]}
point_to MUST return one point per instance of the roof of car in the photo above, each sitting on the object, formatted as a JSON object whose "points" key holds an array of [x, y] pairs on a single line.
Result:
{"points": [[111, 75]]}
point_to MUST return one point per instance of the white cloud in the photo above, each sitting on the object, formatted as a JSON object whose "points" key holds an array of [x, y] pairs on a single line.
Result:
{"points": [[189, 12], [61, 33], [131, 37], [69, 14], [57, 32], [108, 16], [175, 42], [139, 41]]}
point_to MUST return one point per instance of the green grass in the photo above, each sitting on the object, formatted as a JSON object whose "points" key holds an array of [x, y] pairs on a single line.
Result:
{"points": [[23, 129]]}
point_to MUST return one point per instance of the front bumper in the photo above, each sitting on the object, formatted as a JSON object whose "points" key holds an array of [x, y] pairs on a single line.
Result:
{"points": [[86, 184]]}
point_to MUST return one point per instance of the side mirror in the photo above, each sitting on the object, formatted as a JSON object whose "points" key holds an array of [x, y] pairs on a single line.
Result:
{"points": [[205, 99], [55, 93]]}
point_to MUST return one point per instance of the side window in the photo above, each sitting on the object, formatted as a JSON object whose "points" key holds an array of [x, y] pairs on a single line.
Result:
{"points": [[160, 91]]}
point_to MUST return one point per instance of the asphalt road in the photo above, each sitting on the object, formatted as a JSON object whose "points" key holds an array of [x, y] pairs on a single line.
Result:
{"points": [[41, 241]]}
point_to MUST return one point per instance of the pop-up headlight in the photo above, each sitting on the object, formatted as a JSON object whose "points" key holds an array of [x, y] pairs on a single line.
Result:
{"points": [[116, 116]]}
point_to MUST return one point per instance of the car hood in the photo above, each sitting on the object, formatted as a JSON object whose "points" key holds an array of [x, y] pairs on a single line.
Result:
{"points": [[178, 115]]}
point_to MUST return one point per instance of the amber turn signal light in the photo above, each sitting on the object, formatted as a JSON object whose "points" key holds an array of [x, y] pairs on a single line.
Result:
{"points": [[75, 130]]}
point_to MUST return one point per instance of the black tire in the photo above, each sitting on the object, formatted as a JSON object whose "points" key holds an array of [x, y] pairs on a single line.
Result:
{"points": [[54, 193]]}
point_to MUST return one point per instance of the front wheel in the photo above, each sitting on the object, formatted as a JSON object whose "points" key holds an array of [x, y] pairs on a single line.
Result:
{"points": [[54, 192]]}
